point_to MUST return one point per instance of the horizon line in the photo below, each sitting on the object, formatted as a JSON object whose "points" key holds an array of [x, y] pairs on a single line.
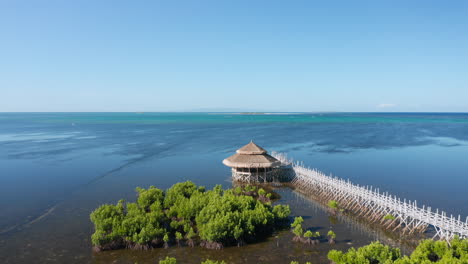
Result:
{"points": [[234, 112]]}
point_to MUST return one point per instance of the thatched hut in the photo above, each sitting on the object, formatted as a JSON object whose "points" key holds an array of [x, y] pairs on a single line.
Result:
{"points": [[251, 163]]}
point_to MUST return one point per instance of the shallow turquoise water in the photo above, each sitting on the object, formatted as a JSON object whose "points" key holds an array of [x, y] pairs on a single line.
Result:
{"points": [[60, 166]]}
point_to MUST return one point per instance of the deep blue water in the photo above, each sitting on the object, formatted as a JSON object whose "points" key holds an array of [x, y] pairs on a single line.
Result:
{"points": [[82, 160]]}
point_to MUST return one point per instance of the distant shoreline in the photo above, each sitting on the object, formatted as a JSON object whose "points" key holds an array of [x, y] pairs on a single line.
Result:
{"points": [[256, 113]]}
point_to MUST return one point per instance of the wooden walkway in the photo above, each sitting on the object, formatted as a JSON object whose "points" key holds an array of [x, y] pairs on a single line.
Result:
{"points": [[378, 207], [354, 224]]}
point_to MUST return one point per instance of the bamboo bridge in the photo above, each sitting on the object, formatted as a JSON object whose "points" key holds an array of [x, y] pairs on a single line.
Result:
{"points": [[378, 207], [354, 224]]}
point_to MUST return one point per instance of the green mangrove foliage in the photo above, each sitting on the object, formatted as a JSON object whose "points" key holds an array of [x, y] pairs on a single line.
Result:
{"points": [[334, 207], [389, 217], [308, 234], [428, 251], [373, 253], [297, 228], [209, 261], [171, 260], [333, 204], [168, 260], [186, 213], [309, 237], [331, 237]]}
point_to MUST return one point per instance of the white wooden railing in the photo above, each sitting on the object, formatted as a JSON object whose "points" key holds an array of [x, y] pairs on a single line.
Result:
{"points": [[369, 202]]}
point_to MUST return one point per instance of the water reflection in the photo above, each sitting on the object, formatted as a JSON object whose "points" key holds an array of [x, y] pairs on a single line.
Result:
{"points": [[75, 162]]}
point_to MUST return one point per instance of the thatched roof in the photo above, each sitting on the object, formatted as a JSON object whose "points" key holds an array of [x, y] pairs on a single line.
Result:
{"points": [[251, 156], [251, 149]]}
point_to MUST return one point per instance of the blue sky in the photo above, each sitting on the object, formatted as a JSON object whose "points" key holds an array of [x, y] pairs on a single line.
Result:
{"points": [[234, 55]]}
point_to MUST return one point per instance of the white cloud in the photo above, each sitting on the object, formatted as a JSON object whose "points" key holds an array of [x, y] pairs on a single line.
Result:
{"points": [[386, 105]]}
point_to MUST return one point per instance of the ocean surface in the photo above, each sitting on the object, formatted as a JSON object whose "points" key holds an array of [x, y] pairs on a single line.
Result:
{"points": [[55, 168]]}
